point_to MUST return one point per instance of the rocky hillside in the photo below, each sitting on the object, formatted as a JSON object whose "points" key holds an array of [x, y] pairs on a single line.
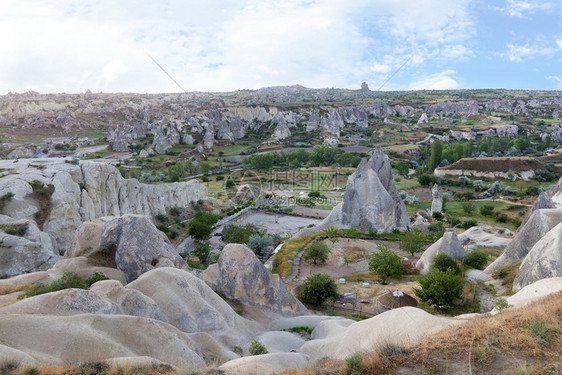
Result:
{"points": [[170, 119], [43, 203]]}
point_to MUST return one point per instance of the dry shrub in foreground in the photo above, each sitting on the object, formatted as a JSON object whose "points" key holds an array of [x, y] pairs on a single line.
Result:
{"points": [[525, 340]]}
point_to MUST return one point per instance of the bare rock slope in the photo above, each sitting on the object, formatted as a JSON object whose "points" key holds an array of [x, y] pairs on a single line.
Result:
{"points": [[370, 202]]}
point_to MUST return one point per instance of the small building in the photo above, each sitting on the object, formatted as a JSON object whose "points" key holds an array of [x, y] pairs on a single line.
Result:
{"points": [[394, 300]]}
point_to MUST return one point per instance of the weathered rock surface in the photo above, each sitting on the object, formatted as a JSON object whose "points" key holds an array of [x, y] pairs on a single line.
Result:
{"points": [[544, 260], [485, 236], [34, 251], [86, 240], [240, 275], [535, 291], [401, 326], [448, 244], [266, 363], [539, 224], [64, 302], [130, 301], [82, 193], [191, 305], [437, 203], [92, 337], [370, 202], [140, 246]]}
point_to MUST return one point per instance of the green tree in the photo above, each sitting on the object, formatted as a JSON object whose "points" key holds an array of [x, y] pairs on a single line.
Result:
{"points": [[202, 251], [257, 347], [436, 155], [261, 162], [317, 288], [386, 263], [205, 167], [200, 230], [443, 262], [318, 252], [476, 259], [424, 179], [402, 168], [323, 156], [487, 210], [259, 243], [440, 287], [412, 242]]}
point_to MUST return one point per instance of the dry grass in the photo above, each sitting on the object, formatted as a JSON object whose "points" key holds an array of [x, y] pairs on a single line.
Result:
{"points": [[527, 339], [288, 252], [9, 289]]}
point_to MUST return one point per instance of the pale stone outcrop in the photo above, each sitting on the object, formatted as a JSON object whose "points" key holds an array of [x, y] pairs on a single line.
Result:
{"points": [[31, 252], [240, 275], [140, 246], [82, 192], [266, 363], [448, 244], [191, 305], [544, 260], [94, 337], [370, 202], [402, 326], [538, 225], [64, 302], [437, 203]]}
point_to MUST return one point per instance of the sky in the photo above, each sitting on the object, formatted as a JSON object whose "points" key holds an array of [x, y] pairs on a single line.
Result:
{"points": [[53, 46]]}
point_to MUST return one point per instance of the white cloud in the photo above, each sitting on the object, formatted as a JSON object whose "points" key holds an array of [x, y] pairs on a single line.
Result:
{"points": [[222, 44], [521, 8], [436, 81], [559, 43], [521, 52]]}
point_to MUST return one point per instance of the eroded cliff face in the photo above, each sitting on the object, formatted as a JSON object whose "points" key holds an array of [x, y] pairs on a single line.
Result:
{"points": [[170, 119], [80, 192]]}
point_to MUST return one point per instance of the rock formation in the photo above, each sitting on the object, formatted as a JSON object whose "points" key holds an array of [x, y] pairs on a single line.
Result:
{"points": [[544, 260], [437, 203], [240, 275], [448, 244], [80, 192], [538, 225], [370, 202], [140, 246]]}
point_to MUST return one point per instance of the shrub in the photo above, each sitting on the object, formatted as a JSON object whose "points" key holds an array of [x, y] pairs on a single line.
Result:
{"points": [[476, 259], [487, 210], [162, 218], [437, 215], [317, 288], [175, 211], [412, 242], [353, 364], [96, 276], [501, 218], [31, 371], [468, 207], [469, 224], [259, 243], [443, 262], [199, 230], [501, 303], [257, 347], [219, 177], [94, 368], [202, 251], [68, 280], [14, 229], [424, 180], [236, 234], [440, 287], [386, 263], [318, 252], [229, 183]]}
